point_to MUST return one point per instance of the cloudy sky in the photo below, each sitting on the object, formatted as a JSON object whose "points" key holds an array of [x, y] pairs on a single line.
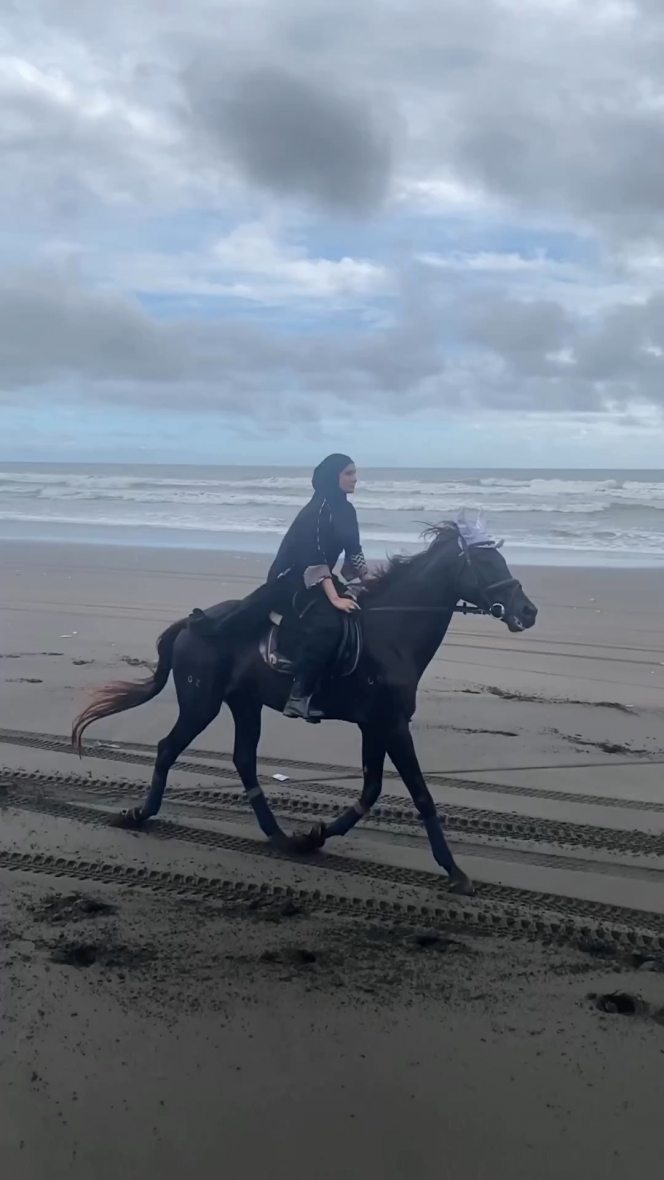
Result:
{"points": [[427, 231]]}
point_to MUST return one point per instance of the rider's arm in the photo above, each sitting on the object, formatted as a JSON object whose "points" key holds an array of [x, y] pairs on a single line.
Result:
{"points": [[355, 560], [317, 571], [355, 568], [337, 600], [331, 591]]}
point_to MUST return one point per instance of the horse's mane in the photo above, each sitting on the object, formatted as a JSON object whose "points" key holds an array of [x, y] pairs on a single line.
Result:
{"points": [[396, 568]]}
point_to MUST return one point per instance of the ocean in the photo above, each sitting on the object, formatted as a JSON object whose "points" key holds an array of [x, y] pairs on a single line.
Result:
{"points": [[545, 517]]}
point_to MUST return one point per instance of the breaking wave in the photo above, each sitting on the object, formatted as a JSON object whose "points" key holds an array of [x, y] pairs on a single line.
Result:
{"points": [[562, 511]]}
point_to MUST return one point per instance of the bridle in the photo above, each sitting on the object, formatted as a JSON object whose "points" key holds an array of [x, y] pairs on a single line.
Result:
{"points": [[497, 610], [485, 594]]}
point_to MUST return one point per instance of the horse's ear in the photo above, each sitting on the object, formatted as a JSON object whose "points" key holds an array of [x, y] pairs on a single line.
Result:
{"points": [[499, 544]]}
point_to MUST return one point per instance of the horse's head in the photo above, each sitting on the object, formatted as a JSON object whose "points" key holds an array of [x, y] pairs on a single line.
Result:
{"points": [[485, 580], [461, 562]]}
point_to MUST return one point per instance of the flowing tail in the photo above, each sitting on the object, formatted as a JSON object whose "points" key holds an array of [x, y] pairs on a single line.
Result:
{"points": [[126, 694]]}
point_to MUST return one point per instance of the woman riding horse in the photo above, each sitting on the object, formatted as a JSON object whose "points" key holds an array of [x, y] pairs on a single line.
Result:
{"points": [[302, 574]]}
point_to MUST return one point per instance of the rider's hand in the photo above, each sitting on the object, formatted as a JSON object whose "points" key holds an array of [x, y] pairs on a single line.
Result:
{"points": [[345, 604]]}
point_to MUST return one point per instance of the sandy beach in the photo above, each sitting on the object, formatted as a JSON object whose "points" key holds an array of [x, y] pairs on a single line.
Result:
{"points": [[187, 999]]}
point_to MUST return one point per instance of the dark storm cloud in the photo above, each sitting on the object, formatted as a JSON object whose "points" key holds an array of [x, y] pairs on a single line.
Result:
{"points": [[601, 163], [294, 137], [525, 331], [51, 328], [554, 107]]}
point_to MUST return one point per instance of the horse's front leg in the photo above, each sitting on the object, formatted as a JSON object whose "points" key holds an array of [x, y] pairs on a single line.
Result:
{"points": [[401, 749], [247, 718], [373, 760]]}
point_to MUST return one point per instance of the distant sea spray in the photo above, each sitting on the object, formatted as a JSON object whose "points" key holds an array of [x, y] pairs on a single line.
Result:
{"points": [[564, 514]]}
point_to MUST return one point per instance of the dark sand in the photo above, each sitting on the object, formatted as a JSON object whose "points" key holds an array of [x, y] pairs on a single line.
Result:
{"points": [[181, 1000]]}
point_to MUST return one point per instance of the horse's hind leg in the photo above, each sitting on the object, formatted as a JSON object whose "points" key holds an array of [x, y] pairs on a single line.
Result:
{"points": [[247, 718], [187, 727]]}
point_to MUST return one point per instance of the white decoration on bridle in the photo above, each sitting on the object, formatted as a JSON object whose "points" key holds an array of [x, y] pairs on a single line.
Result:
{"points": [[474, 533]]}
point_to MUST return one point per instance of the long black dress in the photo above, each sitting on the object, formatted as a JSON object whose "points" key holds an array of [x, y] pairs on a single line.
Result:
{"points": [[324, 529]]}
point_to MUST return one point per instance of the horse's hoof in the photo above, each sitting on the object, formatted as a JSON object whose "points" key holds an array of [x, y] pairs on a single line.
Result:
{"points": [[280, 842], [316, 836], [462, 885], [129, 821], [304, 843]]}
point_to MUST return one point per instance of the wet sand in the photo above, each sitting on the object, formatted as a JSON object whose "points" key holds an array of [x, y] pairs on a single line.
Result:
{"points": [[245, 1014]]}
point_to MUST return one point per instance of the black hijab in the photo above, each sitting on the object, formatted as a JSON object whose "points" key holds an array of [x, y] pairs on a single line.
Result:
{"points": [[325, 479], [324, 527]]}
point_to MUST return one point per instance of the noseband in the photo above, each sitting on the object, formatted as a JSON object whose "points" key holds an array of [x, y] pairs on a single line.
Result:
{"points": [[497, 610]]}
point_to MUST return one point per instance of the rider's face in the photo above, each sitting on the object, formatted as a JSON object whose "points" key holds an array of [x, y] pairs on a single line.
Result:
{"points": [[348, 479]]}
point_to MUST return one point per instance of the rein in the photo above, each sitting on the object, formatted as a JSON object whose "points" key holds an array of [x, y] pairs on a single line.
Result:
{"points": [[464, 609]]}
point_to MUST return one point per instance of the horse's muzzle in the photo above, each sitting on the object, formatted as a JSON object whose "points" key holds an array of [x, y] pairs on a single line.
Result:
{"points": [[521, 617]]}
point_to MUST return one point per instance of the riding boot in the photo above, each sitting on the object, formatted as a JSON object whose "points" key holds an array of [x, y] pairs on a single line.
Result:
{"points": [[299, 701]]}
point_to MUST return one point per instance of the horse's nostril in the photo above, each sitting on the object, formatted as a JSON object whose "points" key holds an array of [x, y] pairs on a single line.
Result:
{"points": [[530, 611]]}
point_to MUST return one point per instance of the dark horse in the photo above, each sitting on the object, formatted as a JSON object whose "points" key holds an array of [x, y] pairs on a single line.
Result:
{"points": [[406, 610]]}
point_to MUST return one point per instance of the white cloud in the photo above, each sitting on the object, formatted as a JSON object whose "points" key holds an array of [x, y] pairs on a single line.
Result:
{"points": [[493, 263], [292, 124], [250, 251], [250, 262]]}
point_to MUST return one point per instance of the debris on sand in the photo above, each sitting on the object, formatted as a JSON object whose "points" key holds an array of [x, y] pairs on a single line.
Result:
{"points": [[75, 954], [626, 1004], [616, 748], [270, 956], [72, 907], [431, 941], [646, 961], [597, 948], [303, 956], [620, 1003], [107, 954], [295, 955], [290, 910]]}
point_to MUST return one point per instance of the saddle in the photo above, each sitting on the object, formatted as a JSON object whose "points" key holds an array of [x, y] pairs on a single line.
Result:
{"points": [[278, 646]]}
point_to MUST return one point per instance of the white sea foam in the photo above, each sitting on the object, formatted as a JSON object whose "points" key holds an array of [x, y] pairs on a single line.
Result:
{"points": [[561, 512], [503, 494]]}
